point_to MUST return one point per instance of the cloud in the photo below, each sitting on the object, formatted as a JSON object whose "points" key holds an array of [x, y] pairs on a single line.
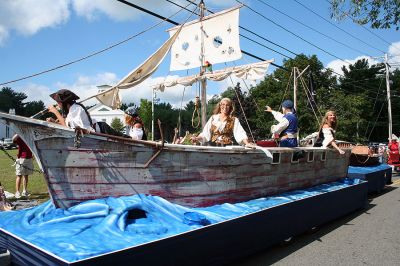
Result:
{"points": [[91, 10], [29, 17], [117, 11], [172, 95], [336, 65], [86, 86], [394, 55]]}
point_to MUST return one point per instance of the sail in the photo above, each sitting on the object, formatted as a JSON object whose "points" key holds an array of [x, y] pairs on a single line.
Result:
{"points": [[253, 71], [112, 98], [220, 35]]}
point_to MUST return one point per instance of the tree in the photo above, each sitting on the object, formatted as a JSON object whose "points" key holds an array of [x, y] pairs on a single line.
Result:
{"points": [[145, 114], [33, 107], [381, 14], [117, 124], [10, 99]]}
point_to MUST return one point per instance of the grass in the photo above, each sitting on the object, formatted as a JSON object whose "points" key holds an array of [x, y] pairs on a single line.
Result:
{"points": [[36, 184]]}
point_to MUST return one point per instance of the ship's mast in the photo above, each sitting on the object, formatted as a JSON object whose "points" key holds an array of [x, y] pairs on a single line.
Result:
{"points": [[203, 92]]}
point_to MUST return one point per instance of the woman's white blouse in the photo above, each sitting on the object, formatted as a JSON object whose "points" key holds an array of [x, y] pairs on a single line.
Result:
{"points": [[238, 132], [328, 136]]}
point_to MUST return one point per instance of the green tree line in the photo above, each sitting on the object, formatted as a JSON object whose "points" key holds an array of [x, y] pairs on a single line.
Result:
{"points": [[358, 97]]}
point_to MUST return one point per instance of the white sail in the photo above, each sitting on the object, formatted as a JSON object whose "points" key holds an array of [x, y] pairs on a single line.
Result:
{"points": [[112, 98], [253, 71], [220, 39]]}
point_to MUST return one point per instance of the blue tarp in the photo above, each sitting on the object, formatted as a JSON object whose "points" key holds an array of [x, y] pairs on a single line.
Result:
{"points": [[368, 169], [104, 225]]}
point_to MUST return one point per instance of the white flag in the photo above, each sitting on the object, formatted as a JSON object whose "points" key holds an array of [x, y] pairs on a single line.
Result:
{"points": [[220, 38]]}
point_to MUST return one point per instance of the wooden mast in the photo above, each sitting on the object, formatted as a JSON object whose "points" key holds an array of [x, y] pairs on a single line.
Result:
{"points": [[203, 82]]}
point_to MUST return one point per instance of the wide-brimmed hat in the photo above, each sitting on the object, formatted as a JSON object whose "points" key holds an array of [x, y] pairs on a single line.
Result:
{"points": [[64, 96]]}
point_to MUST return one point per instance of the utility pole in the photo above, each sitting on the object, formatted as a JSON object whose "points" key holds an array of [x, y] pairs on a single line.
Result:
{"points": [[388, 97]]}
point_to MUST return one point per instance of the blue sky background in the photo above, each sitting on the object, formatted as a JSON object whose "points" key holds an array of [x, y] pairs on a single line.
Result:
{"points": [[41, 34]]}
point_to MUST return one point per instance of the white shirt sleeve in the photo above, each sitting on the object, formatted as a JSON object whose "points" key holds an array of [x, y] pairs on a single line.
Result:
{"points": [[328, 137], [238, 132], [206, 133], [278, 116], [277, 129], [77, 117]]}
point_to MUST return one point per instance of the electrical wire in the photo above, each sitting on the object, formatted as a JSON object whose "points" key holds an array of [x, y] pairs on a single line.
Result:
{"points": [[289, 31], [94, 53], [313, 29], [333, 24]]}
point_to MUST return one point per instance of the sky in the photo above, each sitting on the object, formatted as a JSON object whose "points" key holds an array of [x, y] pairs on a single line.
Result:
{"points": [[37, 35]]}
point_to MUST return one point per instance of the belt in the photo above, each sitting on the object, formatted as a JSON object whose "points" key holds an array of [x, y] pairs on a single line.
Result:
{"points": [[289, 136]]}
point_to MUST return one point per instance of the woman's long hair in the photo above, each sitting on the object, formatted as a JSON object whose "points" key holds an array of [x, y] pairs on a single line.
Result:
{"points": [[324, 120], [217, 108]]}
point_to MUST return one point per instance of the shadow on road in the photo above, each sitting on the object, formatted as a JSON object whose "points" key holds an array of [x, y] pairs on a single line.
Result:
{"points": [[278, 252]]}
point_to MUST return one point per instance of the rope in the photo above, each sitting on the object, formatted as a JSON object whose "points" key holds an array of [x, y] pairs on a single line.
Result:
{"points": [[241, 107], [307, 91], [196, 111], [373, 108], [287, 87]]}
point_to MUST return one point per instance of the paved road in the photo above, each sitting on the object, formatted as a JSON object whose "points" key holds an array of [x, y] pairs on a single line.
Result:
{"points": [[367, 237]]}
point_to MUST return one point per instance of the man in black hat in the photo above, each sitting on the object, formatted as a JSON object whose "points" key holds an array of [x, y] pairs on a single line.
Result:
{"points": [[73, 114]]}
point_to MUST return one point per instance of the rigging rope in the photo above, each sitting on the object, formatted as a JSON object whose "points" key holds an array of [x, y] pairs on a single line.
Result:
{"points": [[373, 108], [241, 106], [196, 112]]}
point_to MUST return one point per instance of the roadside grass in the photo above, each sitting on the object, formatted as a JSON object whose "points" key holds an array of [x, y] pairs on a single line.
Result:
{"points": [[36, 183]]}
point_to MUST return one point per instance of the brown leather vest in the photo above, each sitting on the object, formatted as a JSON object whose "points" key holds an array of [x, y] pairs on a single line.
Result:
{"points": [[224, 137]]}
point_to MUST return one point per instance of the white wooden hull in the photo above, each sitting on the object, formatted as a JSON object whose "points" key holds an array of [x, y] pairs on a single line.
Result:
{"points": [[184, 174]]}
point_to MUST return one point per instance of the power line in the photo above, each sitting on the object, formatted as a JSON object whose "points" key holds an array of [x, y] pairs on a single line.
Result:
{"points": [[176, 23], [373, 33], [311, 28], [285, 29], [333, 24], [246, 29], [271, 49], [92, 54]]}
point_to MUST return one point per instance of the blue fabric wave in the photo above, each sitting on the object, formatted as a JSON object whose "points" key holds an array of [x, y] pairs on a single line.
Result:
{"points": [[104, 225]]}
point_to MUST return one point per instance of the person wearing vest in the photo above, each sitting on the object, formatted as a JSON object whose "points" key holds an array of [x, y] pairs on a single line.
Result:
{"points": [[73, 114], [288, 124], [222, 127]]}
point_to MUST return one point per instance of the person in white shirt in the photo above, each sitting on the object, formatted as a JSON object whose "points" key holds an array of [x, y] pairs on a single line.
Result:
{"points": [[222, 127], [327, 132], [134, 124], [74, 115]]}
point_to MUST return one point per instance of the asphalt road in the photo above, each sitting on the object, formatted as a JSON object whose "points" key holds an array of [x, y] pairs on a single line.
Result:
{"points": [[368, 237]]}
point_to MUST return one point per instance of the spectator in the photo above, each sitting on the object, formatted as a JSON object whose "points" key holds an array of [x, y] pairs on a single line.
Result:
{"points": [[23, 167]]}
